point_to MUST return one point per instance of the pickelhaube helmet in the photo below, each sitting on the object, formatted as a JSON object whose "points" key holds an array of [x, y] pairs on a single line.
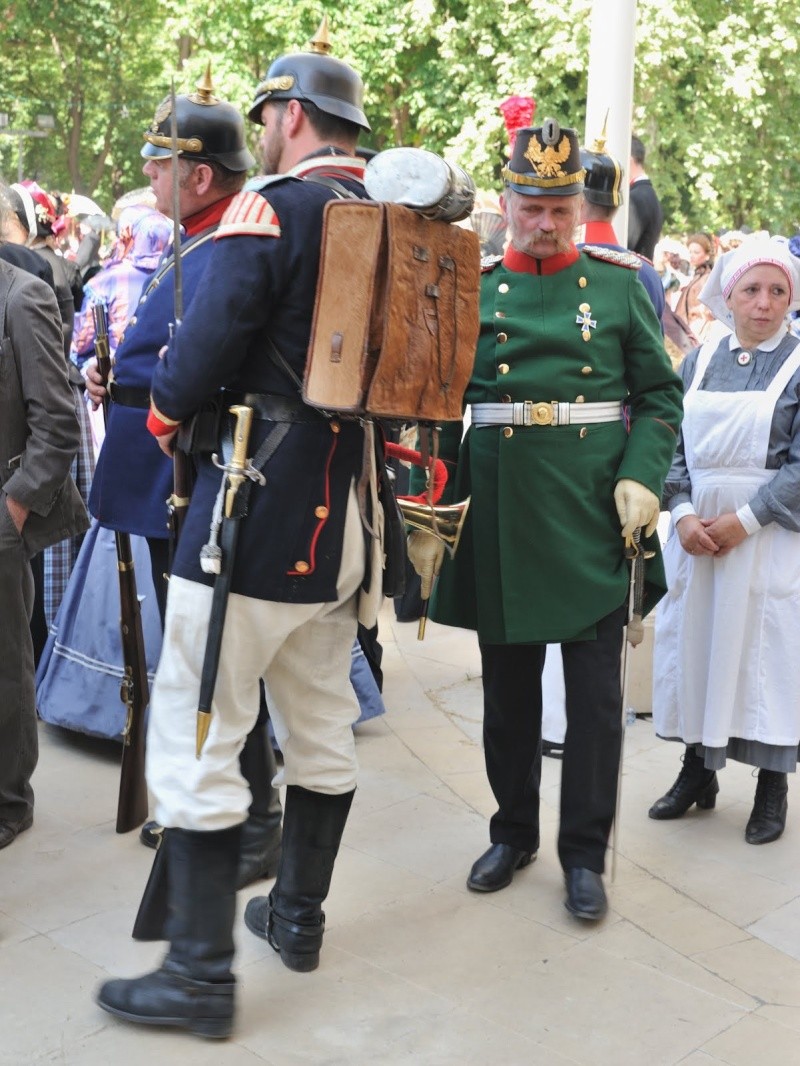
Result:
{"points": [[209, 130], [603, 181], [316, 76], [546, 161]]}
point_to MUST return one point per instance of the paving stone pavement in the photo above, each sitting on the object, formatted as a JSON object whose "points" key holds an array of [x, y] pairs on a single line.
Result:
{"points": [[698, 961]]}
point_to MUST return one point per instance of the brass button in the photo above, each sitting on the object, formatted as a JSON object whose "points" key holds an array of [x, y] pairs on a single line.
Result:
{"points": [[508, 432], [335, 427], [321, 512], [505, 399], [121, 339], [584, 308], [580, 399], [587, 334], [586, 370], [502, 338], [302, 567], [582, 282], [142, 299], [583, 432], [503, 368], [502, 287], [499, 314], [132, 321]]}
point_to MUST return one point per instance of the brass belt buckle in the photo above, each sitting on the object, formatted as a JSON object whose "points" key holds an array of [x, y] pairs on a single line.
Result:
{"points": [[543, 414]]}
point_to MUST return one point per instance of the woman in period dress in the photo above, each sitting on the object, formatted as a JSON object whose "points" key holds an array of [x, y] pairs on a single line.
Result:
{"points": [[726, 681]]}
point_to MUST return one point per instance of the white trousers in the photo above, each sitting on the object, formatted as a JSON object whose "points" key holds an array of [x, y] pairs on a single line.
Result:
{"points": [[303, 653]]}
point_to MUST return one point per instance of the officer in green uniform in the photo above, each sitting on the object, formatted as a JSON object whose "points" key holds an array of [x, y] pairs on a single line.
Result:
{"points": [[574, 416]]}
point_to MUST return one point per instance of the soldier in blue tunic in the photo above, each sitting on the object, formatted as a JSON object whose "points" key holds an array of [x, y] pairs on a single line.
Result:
{"points": [[134, 478], [302, 574]]}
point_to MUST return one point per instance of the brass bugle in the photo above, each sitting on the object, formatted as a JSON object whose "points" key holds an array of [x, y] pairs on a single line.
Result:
{"points": [[445, 522]]}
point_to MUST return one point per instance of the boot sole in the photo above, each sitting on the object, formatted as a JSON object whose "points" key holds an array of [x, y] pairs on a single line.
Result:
{"points": [[586, 916], [765, 840], [298, 963], [705, 803], [212, 1028]]}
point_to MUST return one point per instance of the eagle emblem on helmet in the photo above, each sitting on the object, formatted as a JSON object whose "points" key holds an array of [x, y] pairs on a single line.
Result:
{"points": [[547, 161]]}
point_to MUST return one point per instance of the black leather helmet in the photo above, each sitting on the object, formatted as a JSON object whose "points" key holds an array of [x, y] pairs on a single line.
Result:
{"points": [[603, 181], [314, 75], [209, 130]]}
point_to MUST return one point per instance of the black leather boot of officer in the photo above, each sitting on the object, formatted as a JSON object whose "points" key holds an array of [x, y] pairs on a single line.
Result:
{"points": [[291, 918], [694, 784], [496, 867], [193, 988], [261, 833], [768, 818], [586, 897]]}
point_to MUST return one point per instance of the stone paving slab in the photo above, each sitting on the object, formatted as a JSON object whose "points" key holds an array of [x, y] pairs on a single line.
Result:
{"points": [[698, 962]]}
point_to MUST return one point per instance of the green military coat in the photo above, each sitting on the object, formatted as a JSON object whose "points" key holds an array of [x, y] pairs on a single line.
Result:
{"points": [[541, 556]]}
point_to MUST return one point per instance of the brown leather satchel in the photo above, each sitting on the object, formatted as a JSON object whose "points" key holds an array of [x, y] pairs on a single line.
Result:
{"points": [[396, 315]]}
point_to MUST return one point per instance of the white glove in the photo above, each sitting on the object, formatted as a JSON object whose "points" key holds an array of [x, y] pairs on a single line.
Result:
{"points": [[636, 506], [426, 554]]}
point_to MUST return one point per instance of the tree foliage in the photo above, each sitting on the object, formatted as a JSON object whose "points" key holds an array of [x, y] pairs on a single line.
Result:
{"points": [[715, 84]]}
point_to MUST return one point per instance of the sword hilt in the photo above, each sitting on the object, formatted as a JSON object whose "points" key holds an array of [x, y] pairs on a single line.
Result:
{"points": [[237, 468]]}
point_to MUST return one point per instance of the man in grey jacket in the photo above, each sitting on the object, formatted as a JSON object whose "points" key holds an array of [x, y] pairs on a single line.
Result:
{"points": [[39, 505]]}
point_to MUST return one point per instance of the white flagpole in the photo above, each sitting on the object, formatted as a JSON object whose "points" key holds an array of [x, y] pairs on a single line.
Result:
{"points": [[610, 87]]}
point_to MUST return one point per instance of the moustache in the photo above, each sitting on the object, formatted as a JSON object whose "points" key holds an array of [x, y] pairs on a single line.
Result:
{"points": [[537, 236]]}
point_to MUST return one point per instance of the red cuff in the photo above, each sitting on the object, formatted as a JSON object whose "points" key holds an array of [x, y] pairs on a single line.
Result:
{"points": [[158, 424]]}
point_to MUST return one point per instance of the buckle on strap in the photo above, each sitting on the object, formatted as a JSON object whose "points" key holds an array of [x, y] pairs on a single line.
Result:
{"points": [[539, 414]]}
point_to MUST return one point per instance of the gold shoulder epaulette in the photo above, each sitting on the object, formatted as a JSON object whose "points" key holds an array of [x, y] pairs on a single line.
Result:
{"points": [[489, 262], [611, 255]]}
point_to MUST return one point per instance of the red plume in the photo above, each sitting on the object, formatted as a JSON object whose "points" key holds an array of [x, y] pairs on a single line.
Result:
{"points": [[518, 112]]}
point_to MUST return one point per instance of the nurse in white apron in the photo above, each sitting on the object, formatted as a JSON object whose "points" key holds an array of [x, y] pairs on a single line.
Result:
{"points": [[727, 640]]}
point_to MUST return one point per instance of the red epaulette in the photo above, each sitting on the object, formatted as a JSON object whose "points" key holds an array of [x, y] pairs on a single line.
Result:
{"points": [[248, 215]]}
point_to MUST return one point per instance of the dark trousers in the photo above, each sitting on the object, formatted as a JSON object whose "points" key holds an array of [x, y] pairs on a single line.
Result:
{"points": [[512, 738], [19, 742]]}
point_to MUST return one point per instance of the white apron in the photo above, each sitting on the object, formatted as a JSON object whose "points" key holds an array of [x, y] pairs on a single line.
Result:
{"points": [[727, 636]]}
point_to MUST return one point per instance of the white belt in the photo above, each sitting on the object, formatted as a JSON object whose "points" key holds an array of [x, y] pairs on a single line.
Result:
{"points": [[553, 413]]}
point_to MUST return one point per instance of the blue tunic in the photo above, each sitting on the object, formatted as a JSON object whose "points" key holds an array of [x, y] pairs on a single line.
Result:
{"points": [[133, 478], [262, 299]]}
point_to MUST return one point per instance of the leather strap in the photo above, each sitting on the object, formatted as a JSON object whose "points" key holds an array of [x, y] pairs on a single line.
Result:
{"points": [[273, 408], [129, 395]]}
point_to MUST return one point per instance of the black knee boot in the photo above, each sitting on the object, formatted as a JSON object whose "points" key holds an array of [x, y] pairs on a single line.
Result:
{"points": [[768, 818], [194, 987], [261, 833], [694, 784], [292, 919]]}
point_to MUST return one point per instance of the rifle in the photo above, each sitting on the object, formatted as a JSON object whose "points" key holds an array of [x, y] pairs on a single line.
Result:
{"points": [[134, 691], [178, 502]]}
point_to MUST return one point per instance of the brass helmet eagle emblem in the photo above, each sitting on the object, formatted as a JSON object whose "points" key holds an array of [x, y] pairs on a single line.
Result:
{"points": [[547, 161]]}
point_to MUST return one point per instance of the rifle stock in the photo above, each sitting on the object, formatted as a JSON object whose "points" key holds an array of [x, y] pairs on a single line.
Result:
{"points": [[134, 690]]}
